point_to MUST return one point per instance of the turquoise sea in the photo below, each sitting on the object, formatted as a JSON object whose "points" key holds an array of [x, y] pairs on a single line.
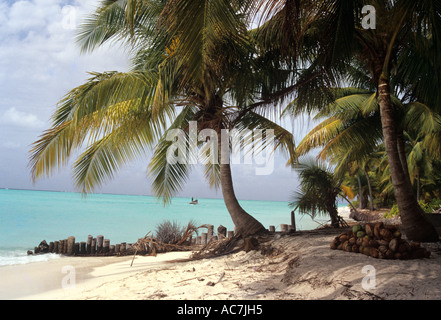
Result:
{"points": [[28, 217]]}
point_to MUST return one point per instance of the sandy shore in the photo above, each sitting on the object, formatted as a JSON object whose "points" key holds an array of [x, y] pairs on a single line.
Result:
{"points": [[297, 266]]}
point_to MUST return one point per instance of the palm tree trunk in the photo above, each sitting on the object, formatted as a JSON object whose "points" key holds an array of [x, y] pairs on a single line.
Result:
{"points": [[370, 188], [415, 225], [244, 223], [402, 152], [361, 200], [418, 187]]}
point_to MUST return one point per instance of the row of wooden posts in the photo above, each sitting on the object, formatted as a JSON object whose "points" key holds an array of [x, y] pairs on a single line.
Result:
{"points": [[101, 246], [93, 246]]}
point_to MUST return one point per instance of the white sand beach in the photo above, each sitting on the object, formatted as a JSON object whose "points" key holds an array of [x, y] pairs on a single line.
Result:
{"points": [[295, 266]]}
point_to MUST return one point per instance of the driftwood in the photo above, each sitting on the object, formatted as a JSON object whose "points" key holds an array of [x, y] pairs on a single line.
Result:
{"points": [[150, 245]]}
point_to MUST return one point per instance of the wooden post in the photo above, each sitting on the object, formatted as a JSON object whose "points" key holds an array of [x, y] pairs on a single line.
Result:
{"points": [[123, 247], [293, 221], [199, 240], [210, 232], [222, 232], [272, 228], [230, 234], [99, 244], [70, 245], [89, 244], [284, 227], [83, 249], [51, 247], [112, 250], [117, 247], [106, 246], [93, 248], [77, 248], [204, 238], [56, 246]]}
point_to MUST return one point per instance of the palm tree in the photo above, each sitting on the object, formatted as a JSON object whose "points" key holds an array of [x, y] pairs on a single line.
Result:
{"points": [[350, 134], [193, 61], [405, 40], [318, 191]]}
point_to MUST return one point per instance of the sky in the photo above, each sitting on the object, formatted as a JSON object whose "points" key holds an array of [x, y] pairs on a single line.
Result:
{"points": [[40, 62]]}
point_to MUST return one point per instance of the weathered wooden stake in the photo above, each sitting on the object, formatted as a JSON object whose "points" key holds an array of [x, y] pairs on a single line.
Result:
{"points": [[70, 245], [51, 247], [222, 232], [93, 248], [293, 221], [199, 240], [56, 246], [77, 248], [99, 243], [106, 246], [230, 234], [210, 232], [83, 249], [89, 244], [284, 227], [272, 228], [204, 238]]}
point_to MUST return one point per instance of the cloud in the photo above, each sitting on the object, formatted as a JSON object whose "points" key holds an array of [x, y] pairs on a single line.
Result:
{"points": [[21, 119]]}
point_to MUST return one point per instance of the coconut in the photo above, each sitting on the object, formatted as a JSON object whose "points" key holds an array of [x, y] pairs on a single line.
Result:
{"points": [[361, 234], [374, 243], [366, 251], [374, 253], [386, 234], [383, 243], [393, 245], [389, 254], [382, 249], [379, 225], [369, 229], [343, 238], [397, 234], [356, 228]]}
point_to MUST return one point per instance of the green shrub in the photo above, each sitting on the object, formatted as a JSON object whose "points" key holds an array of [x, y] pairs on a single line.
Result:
{"points": [[430, 207], [392, 213], [169, 232]]}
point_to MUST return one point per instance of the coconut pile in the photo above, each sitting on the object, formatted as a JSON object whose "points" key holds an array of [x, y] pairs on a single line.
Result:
{"points": [[379, 241]]}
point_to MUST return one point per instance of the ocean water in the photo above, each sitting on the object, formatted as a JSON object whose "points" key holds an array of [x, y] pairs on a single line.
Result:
{"points": [[28, 217]]}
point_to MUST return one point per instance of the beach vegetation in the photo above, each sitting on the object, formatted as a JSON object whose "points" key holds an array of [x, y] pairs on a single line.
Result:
{"points": [[401, 52], [319, 191]]}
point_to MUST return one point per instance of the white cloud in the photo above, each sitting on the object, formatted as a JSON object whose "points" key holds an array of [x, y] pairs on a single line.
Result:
{"points": [[18, 118]]}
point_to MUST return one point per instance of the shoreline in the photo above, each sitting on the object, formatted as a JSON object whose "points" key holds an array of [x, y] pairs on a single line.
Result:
{"points": [[298, 266], [69, 278]]}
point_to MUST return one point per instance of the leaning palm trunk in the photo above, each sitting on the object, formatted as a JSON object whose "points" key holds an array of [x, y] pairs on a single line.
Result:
{"points": [[415, 225], [244, 223]]}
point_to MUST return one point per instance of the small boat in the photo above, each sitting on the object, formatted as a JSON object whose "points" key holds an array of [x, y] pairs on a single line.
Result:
{"points": [[194, 201]]}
